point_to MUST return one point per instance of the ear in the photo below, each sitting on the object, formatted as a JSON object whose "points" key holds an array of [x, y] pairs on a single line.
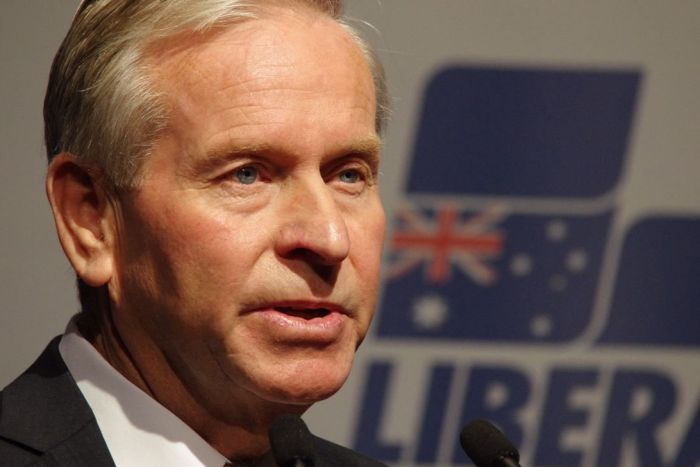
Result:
{"points": [[84, 219]]}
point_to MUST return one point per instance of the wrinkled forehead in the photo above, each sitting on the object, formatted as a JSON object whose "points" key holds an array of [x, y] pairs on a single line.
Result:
{"points": [[308, 45]]}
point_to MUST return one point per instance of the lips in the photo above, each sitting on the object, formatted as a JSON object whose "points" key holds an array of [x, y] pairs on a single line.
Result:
{"points": [[302, 322]]}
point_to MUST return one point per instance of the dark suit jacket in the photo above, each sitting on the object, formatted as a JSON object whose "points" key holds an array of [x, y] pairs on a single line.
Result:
{"points": [[45, 421]]}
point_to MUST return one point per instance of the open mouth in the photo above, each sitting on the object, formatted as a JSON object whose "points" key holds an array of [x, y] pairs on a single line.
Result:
{"points": [[304, 313]]}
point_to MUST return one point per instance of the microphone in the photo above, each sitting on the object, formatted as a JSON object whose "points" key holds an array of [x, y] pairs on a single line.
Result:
{"points": [[486, 446], [291, 442]]}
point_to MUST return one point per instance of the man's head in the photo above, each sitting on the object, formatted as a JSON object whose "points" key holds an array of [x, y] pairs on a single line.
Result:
{"points": [[240, 249]]}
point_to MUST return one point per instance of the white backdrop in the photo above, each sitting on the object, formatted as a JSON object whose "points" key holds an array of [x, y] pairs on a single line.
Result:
{"points": [[415, 38]]}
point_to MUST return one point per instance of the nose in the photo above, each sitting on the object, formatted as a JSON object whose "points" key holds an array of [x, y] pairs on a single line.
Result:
{"points": [[312, 227]]}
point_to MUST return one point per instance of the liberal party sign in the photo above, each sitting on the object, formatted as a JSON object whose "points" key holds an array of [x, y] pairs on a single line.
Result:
{"points": [[574, 333]]}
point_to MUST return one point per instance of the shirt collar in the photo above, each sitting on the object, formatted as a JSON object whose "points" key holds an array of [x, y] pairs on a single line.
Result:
{"points": [[137, 429]]}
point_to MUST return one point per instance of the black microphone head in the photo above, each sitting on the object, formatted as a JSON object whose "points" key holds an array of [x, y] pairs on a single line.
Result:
{"points": [[486, 446], [291, 442]]}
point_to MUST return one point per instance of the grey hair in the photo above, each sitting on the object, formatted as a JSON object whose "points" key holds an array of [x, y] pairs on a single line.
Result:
{"points": [[100, 105]]}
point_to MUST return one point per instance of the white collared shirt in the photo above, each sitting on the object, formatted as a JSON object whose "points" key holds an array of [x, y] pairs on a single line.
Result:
{"points": [[137, 429]]}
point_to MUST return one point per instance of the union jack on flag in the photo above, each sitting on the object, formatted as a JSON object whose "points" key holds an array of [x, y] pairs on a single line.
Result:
{"points": [[445, 240]]}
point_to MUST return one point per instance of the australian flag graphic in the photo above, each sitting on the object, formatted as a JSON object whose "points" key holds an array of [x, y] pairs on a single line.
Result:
{"points": [[504, 233]]}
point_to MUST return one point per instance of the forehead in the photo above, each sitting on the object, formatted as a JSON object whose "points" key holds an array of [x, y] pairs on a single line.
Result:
{"points": [[306, 47], [293, 79]]}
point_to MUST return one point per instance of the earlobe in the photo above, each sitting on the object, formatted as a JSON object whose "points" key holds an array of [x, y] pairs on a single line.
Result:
{"points": [[84, 219]]}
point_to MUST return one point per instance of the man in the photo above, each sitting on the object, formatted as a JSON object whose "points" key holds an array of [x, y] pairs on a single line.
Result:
{"points": [[213, 178]]}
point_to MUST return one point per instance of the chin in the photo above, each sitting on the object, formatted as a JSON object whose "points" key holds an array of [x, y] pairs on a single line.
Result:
{"points": [[306, 383]]}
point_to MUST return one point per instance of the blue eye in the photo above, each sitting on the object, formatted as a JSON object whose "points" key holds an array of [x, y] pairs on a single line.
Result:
{"points": [[349, 176], [247, 175]]}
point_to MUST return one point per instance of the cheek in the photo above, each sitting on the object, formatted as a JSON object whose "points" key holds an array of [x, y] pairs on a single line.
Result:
{"points": [[202, 237], [367, 243], [369, 236], [185, 256]]}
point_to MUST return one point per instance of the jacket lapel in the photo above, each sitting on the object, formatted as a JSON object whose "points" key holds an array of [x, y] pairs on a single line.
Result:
{"points": [[44, 411]]}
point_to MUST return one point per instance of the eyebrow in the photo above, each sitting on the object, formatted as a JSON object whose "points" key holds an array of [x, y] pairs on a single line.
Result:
{"points": [[367, 148]]}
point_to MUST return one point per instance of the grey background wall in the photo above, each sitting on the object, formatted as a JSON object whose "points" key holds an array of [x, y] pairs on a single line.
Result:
{"points": [[35, 283], [415, 38]]}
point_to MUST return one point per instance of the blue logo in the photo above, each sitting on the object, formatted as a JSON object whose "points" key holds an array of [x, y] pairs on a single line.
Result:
{"points": [[511, 194]]}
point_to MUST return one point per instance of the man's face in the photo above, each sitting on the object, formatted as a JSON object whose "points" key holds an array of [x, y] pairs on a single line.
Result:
{"points": [[248, 260]]}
